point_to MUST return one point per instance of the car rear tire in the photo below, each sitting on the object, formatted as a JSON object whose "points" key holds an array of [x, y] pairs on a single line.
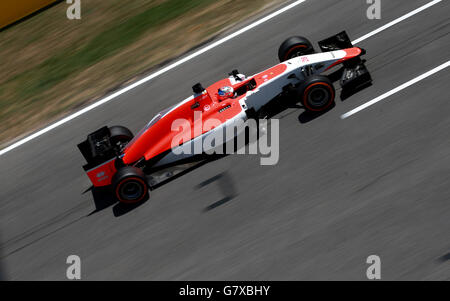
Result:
{"points": [[120, 136], [317, 93], [293, 47], [130, 185]]}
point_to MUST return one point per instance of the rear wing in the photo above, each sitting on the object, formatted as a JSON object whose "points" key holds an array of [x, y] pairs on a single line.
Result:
{"points": [[355, 74], [100, 156], [97, 148]]}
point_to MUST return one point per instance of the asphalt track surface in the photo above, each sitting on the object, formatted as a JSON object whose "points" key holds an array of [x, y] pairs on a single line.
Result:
{"points": [[375, 183]]}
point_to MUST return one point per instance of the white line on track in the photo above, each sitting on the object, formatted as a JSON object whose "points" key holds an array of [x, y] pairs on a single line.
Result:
{"points": [[396, 90], [150, 77], [190, 57], [398, 20]]}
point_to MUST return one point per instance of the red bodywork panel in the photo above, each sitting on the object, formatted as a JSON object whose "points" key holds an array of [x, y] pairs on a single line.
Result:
{"points": [[102, 175], [270, 74], [158, 138]]}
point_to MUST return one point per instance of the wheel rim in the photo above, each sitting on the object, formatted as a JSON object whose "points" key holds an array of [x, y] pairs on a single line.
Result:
{"points": [[131, 191], [318, 96]]}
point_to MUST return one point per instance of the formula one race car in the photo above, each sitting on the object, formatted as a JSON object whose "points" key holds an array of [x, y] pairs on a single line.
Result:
{"points": [[118, 160]]}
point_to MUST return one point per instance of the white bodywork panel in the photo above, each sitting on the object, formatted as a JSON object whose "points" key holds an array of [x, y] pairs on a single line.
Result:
{"points": [[258, 97]]}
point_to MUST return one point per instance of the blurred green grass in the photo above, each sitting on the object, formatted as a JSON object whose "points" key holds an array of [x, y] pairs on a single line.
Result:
{"points": [[51, 65], [104, 44]]}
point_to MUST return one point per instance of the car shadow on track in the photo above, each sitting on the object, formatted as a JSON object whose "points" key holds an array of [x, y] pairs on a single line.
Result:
{"points": [[226, 187], [306, 116], [444, 258], [345, 94], [104, 199]]}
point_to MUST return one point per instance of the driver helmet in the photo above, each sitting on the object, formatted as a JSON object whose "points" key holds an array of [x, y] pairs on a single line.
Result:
{"points": [[225, 92]]}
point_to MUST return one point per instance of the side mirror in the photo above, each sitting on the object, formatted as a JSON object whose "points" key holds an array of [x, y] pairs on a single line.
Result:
{"points": [[198, 89]]}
